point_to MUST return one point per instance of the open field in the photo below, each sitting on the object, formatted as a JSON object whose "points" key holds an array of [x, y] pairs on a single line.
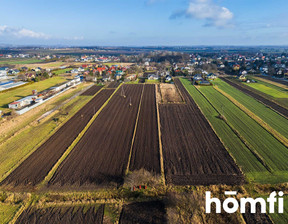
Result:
{"points": [[271, 83], [15, 94], [193, 154], [7, 212], [170, 94], [62, 71], [251, 166], [101, 156], [283, 82], [276, 121], [91, 91], [257, 217], [143, 212], [145, 151], [113, 84], [51, 65], [78, 214], [17, 61], [272, 154], [48, 153], [258, 97], [269, 89], [19, 145]]}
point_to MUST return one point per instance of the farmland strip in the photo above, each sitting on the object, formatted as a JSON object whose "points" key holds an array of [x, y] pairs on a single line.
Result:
{"points": [[281, 110], [34, 169], [91, 91], [113, 84], [193, 154], [273, 132], [101, 156], [145, 151]]}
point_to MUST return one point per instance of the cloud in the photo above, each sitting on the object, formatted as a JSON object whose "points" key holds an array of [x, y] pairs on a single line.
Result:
{"points": [[207, 10], [21, 33]]}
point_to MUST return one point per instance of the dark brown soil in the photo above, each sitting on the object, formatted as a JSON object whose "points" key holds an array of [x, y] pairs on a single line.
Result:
{"points": [[193, 154], [143, 213], [145, 152], [34, 169], [91, 91], [113, 84], [101, 156], [258, 217], [251, 92], [65, 215]]}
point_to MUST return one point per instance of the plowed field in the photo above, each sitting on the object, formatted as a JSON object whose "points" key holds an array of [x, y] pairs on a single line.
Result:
{"points": [[34, 169], [193, 154], [102, 154], [145, 152]]}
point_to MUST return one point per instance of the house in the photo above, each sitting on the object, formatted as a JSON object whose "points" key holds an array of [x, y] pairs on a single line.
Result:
{"points": [[3, 74], [197, 77], [131, 77], [74, 71], [244, 72], [211, 76], [153, 77], [30, 75], [243, 78], [22, 102], [168, 78]]}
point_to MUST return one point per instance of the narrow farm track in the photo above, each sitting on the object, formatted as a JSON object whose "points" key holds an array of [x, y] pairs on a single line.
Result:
{"points": [[269, 103], [102, 154], [145, 151], [34, 169], [193, 154]]}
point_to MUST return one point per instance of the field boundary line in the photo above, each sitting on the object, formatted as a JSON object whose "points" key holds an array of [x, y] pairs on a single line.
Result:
{"points": [[21, 210], [42, 141], [262, 123], [247, 88], [134, 133], [160, 141], [271, 82], [242, 139], [75, 142], [180, 93]]}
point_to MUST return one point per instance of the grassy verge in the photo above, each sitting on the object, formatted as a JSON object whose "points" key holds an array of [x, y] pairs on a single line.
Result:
{"points": [[18, 148], [10, 96], [152, 81], [7, 212], [251, 166], [133, 82]]}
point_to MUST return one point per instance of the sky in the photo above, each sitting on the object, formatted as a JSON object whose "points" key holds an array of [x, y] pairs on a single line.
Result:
{"points": [[143, 22]]}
